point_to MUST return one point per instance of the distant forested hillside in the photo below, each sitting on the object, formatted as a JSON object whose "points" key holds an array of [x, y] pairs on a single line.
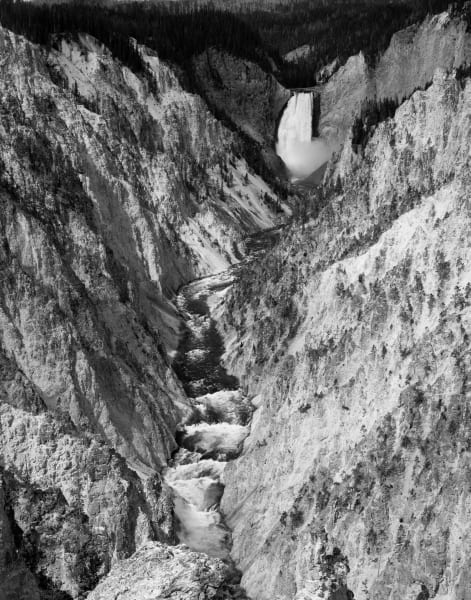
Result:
{"points": [[334, 29], [253, 30], [174, 32]]}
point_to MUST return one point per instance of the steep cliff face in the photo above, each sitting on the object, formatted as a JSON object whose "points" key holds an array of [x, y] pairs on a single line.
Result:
{"points": [[354, 342], [249, 98], [441, 41], [115, 188], [252, 98]]}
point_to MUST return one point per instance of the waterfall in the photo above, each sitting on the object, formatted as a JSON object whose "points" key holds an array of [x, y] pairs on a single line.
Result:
{"points": [[301, 153]]}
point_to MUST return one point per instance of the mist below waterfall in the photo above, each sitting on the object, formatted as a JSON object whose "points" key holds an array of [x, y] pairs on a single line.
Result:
{"points": [[301, 153]]}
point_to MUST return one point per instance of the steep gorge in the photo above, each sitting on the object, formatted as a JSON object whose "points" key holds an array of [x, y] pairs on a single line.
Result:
{"points": [[349, 338], [116, 188]]}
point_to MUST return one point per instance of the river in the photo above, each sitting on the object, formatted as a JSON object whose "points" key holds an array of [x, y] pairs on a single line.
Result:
{"points": [[220, 421]]}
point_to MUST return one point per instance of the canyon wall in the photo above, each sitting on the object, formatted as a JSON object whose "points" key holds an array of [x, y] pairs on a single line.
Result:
{"points": [[248, 97], [354, 344], [114, 194], [441, 41], [242, 91], [116, 187]]}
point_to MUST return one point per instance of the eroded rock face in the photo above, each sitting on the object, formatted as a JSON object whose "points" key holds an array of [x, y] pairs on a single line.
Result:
{"points": [[241, 90], [357, 348], [71, 506], [409, 63], [114, 192], [249, 98], [342, 98], [115, 188], [18, 582], [441, 41], [156, 572]]}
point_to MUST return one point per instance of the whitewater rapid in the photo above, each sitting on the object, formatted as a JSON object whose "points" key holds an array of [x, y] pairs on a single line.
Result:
{"points": [[215, 430], [301, 153], [218, 422]]}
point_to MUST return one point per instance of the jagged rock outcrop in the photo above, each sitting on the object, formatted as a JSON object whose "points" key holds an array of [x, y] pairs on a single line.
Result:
{"points": [[156, 572], [355, 341], [17, 582], [71, 505]]}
